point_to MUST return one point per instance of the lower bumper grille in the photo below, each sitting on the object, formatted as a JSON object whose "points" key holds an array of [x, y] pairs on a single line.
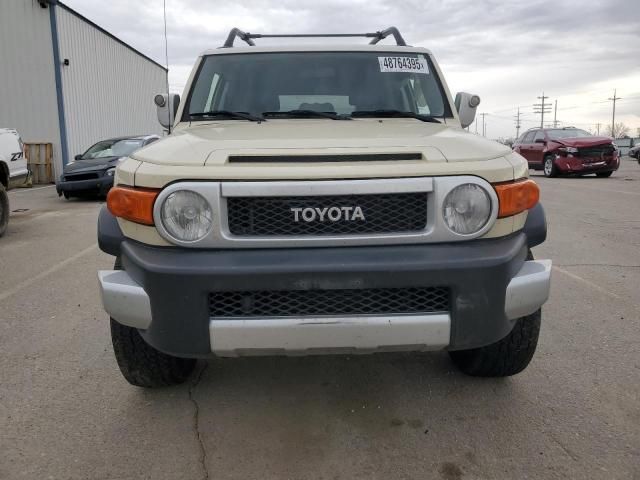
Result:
{"points": [[81, 176], [309, 303], [327, 215]]}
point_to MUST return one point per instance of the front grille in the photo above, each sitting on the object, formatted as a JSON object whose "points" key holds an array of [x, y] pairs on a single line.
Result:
{"points": [[596, 152], [273, 216], [81, 176], [303, 303]]}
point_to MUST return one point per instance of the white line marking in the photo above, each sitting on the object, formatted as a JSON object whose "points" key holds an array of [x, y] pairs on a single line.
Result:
{"points": [[49, 271], [604, 190], [587, 282], [16, 191]]}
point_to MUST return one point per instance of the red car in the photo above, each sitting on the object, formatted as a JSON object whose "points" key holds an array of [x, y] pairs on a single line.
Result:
{"points": [[568, 150]]}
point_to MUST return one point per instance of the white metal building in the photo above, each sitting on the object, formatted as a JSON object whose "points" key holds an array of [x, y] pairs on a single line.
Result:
{"points": [[66, 81]]}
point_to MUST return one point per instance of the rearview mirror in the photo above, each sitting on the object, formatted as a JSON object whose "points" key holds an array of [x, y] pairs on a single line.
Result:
{"points": [[166, 106], [466, 105], [78, 156], [540, 140]]}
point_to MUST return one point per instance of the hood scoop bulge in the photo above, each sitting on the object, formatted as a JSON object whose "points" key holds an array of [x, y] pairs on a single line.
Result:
{"points": [[356, 157]]}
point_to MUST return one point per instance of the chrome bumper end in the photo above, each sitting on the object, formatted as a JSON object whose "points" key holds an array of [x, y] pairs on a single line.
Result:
{"points": [[529, 289], [124, 300]]}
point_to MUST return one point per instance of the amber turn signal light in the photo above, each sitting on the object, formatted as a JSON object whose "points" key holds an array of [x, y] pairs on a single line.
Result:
{"points": [[134, 204], [516, 197]]}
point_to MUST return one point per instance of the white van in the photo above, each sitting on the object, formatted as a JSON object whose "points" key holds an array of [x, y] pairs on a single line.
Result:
{"points": [[13, 170]]}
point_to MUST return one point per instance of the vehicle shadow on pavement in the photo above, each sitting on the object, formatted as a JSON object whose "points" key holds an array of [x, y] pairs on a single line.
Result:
{"points": [[291, 411]]}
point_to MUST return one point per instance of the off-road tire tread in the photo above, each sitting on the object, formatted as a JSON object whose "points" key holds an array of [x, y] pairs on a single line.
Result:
{"points": [[4, 216], [144, 366], [140, 363], [509, 356]]}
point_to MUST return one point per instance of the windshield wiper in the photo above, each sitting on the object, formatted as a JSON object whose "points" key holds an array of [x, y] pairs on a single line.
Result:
{"points": [[389, 113], [228, 113], [307, 113]]}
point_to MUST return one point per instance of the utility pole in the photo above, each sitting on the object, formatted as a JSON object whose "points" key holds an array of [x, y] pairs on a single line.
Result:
{"points": [[613, 117], [517, 117], [598, 128], [542, 108], [484, 125], [555, 113]]}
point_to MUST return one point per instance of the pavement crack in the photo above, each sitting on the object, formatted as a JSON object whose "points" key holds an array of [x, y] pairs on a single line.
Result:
{"points": [[196, 419], [568, 452]]}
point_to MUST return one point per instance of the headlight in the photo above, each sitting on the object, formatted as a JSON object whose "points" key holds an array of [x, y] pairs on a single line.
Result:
{"points": [[111, 171], [571, 150], [186, 216], [466, 209]]}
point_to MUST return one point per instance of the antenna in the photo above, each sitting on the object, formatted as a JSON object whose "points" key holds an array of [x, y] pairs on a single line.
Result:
{"points": [[166, 59]]}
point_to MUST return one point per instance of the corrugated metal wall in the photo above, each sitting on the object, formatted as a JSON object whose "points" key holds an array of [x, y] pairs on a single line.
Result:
{"points": [[108, 88], [27, 81]]}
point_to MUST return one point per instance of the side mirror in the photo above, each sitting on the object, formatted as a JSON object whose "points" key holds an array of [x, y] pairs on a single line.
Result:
{"points": [[540, 140], [78, 156], [466, 105], [167, 106]]}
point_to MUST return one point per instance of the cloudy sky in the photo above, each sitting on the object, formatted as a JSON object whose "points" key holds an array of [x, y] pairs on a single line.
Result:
{"points": [[577, 51]]}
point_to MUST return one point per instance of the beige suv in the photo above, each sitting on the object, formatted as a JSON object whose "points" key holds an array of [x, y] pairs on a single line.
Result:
{"points": [[321, 199]]}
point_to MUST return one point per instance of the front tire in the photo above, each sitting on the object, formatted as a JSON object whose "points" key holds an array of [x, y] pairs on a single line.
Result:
{"points": [[549, 166], [4, 210], [604, 174], [144, 366], [140, 363], [509, 356]]}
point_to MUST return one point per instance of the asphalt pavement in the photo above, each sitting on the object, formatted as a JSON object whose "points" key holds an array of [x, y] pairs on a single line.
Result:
{"points": [[66, 412]]}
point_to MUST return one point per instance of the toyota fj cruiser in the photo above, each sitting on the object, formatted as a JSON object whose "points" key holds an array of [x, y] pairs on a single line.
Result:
{"points": [[321, 200]]}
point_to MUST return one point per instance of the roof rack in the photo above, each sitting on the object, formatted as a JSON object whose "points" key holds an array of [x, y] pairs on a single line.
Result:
{"points": [[376, 36]]}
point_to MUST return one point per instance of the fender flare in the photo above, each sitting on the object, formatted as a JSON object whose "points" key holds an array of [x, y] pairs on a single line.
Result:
{"points": [[110, 236], [535, 227]]}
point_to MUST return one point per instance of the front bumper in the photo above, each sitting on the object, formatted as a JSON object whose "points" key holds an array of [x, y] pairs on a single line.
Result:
{"points": [[100, 185], [571, 164], [164, 292]]}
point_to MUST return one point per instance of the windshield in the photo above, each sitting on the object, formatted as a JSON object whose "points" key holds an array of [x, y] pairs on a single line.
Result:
{"points": [[567, 133], [112, 148], [339, 82]]}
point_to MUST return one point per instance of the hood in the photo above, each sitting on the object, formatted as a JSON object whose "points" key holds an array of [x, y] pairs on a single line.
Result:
{"points": [[211, 143], [91, 165], [578, 142]]}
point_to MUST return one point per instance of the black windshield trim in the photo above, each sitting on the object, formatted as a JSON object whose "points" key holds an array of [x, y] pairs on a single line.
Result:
{"points": [[226, 113], [391, 113], [306, 114]]}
